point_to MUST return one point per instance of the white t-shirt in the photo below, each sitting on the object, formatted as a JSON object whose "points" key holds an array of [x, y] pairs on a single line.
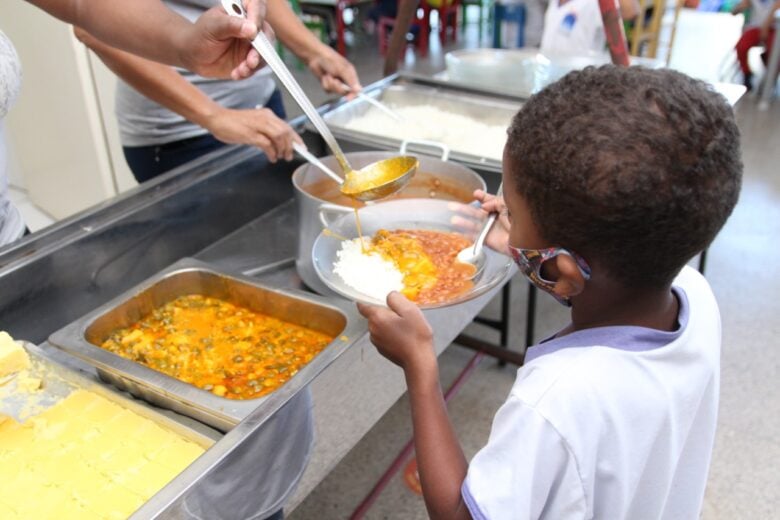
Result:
{"points": [[613, 423], [573, 28]]}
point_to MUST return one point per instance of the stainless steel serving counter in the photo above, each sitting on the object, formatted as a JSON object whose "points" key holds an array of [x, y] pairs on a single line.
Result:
{"points": [[231, 209]]}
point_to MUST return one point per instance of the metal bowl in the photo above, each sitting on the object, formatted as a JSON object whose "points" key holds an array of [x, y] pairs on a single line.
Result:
{"points": [[400, 214]]}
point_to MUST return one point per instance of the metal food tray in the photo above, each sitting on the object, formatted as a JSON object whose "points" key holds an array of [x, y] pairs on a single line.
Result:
{"points": [[188, 276], [58, 381], [410, 90]]}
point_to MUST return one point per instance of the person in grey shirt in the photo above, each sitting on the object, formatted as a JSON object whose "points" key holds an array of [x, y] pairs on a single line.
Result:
{"points": [[170, 116], [216, 45]]}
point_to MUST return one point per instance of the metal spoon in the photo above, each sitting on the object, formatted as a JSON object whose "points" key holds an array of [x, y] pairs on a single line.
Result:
{"points": [[474, 254], [306, 154], [385, 177]]}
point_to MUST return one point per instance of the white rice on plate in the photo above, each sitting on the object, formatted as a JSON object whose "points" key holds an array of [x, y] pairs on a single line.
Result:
{"points": [[368, 273]]}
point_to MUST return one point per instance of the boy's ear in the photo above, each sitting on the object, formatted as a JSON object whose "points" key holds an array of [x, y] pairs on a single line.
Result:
{"points": [[570, 281]]}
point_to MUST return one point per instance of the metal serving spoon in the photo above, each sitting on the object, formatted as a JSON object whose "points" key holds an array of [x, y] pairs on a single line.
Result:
{"points": [[375, 181], [373, 101]]}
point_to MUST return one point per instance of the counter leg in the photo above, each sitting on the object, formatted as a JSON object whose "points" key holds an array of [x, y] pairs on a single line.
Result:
{"points": [[530, 317]]}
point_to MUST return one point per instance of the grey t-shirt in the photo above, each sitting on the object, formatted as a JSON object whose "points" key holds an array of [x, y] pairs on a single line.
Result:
{"points": [[11, 223], [142, 122]]}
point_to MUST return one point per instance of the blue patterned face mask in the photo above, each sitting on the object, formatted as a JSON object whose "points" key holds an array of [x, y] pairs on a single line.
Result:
{"points": [[530, 263]]}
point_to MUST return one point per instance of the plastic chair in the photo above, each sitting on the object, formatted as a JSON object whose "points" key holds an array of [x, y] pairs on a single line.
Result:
{"points": [[314, 23], [448, 16], [512, 14], [481, 4]]}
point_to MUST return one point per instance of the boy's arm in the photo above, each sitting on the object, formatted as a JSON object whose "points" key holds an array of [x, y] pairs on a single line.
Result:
{"points": [[402, 335], [628, 9], [741, 7], [165, 86], [769, 21], [330, 67], [216, 45]]}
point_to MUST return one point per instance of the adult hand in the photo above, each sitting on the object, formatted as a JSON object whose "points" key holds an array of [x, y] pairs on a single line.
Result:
{"points": [[218, 45], [401, 333], [334, 71], [470, 220], [256, 127]]}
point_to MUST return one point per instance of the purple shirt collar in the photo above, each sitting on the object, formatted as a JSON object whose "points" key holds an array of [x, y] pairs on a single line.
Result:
{"points": [[629, 338]]}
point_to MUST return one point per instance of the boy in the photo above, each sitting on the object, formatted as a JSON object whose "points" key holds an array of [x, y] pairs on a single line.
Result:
{"points": [[760, 30], [613, 179]]}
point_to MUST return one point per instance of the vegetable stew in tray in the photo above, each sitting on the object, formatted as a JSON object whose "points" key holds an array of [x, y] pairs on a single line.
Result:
{"points": [[211, 345], [220, 347]]}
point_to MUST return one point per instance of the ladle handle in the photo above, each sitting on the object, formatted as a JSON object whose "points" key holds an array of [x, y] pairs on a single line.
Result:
{"points": [[480, 241], [271, 57], [445, 150], [306, 154]]}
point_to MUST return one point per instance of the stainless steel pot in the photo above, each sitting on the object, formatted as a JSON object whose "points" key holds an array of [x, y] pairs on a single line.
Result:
{"points": [[319, 204]]}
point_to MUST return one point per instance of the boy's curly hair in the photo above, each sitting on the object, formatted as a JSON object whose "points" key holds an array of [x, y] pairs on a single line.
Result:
{"points": [[634, 169]]}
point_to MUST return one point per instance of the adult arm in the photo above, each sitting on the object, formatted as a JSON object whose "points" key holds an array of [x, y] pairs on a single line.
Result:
{"points": [[329, 66], [769, 21], [402, 335], [162, 84], [741, 7], [216, 45]]}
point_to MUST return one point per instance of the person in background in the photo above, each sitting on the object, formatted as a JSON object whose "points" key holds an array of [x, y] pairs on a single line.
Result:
{"points": [[575, 28], [169, 116], [216, 45], [11, 223], [760, 31], [380, 9], [614, 416]]}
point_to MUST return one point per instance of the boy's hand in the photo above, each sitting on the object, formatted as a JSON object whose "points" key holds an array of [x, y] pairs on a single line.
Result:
{"points": [[471, 220], [401, 333]]}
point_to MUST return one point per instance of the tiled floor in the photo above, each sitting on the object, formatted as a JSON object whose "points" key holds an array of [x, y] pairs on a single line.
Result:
{"points": [[745, 275]]}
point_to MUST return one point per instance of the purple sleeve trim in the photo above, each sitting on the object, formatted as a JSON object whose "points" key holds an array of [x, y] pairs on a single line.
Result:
{"points": [[471, 503]]}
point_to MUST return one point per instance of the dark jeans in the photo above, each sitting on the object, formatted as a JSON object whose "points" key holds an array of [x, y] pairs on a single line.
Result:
{"points": [[147, 162]]}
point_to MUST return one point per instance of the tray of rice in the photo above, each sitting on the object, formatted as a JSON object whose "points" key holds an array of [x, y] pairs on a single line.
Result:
{"points": [[473, 126], [408, 246]]}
